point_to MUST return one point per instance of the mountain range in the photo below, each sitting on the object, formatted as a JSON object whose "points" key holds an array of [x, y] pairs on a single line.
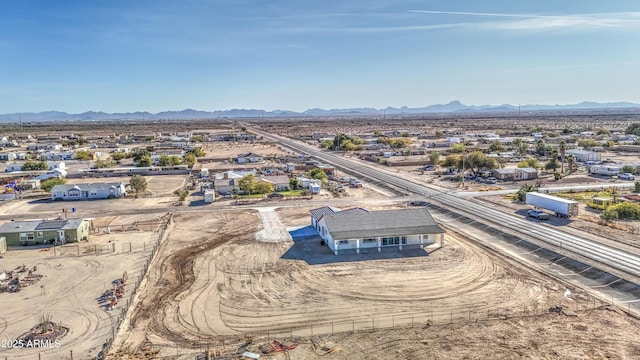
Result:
{"points": [[189, 114]]}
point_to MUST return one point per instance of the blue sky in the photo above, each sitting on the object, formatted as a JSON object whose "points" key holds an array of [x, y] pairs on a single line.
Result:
{"points": [[127, 55]]}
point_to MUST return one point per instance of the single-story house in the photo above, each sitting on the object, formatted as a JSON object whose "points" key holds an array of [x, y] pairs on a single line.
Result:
{"points": [[7, 156], [515, 174], [279, 182], [35, 232], [358, 228], [229, 181], [88, 191], [249, 158], [583, 155]]}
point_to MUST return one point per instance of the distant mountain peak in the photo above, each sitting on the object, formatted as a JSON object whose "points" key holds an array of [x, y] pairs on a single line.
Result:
{"points": [[189, 114]]}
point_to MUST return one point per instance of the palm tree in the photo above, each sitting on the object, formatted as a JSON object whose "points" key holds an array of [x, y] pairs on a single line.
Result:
{"points": [[570, 162], [524, 189], [563, 149]]}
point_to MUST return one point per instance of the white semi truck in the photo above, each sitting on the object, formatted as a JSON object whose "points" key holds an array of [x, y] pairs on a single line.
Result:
{"points": [[561, 207]]}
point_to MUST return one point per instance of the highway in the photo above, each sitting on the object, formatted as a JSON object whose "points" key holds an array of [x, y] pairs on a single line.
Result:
{"points": [[615, 258]]}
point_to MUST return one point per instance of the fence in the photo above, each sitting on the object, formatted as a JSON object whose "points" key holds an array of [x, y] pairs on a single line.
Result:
{"points": [[223, 347]]}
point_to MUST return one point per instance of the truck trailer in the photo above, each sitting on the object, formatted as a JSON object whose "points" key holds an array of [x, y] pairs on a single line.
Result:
{"points": [[561, 207]]}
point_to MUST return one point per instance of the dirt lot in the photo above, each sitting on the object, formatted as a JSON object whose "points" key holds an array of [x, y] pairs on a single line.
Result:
{"points": [[74, 277], [214, 284]]}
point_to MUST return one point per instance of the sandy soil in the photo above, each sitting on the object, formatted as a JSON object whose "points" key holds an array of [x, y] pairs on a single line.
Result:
{"points": [[215, 284], [70, 289]]}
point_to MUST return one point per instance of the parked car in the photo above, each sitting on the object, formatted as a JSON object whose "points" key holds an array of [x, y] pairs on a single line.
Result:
{"points": [[480, 180], [469, 176], [491, 180], [275, 195], [538, 214], [429, 168], [626, 176]]}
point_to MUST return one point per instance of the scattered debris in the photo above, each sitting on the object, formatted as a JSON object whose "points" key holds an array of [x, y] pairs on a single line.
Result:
{"points": [[14, 281], [276, 346], [556, 309]]}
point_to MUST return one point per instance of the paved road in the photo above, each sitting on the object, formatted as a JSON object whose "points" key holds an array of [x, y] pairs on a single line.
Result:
{"points": [[623, 261]]}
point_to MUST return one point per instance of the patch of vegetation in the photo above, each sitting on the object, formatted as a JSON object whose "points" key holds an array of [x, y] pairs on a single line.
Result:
{"points": [[48, 184], [622, 211]]}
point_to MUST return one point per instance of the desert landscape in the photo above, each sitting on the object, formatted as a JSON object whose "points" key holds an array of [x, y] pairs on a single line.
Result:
{"points": [[232, 277]]}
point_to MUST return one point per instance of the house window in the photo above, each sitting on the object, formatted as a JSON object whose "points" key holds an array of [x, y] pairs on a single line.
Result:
{"points": [[343, 242], [391, 240], [368, 241], [39, 234], [74, 193], [27, 236], [94, 193]]}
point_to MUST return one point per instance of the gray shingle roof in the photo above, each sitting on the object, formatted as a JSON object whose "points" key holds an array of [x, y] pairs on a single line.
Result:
{"points": [[85, 187], [363, 224], [320, 212], [40, 225]]}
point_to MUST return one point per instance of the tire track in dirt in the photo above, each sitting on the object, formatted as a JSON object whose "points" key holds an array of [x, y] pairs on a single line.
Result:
{"points": [[177, 276]]}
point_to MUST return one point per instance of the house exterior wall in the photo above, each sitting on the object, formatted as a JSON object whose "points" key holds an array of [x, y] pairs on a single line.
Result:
{"points": [[74, 194], [378, 242], [46, 236]]}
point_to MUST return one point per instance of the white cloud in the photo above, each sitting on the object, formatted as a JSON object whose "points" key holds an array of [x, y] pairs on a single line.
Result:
{"points": [[547, 22]]}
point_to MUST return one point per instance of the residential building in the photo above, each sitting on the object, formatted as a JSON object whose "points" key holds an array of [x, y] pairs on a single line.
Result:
{"points": [[36, 232], [515, 174], [357, 229], [8, 156], [228, 182], [279, 182], [249, 158], [88, 191], [583, 155]]}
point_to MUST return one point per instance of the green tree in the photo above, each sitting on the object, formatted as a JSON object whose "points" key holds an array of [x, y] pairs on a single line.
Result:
{"points": [[496, 146], [139, 155], [434, 157], [520, 146], [458, 148], [563, 151], [138, 184], [325, 144], [629, 169], [197, 138], [603, 131], [318, 174], [166, 160], [181, 194], [263, 187], [552, 164], [529, 163], [293, 183], [31, 165], [189, 159], [588, 143], [101, 164], [197, 152], [452, 162], [145, 161], [83, 155], [477, 161], [439, 134], [624, 211], [48, 184], [637, 187], [633, 129], [117, 156], [521, 195], [248, 183], [541, 148]]}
